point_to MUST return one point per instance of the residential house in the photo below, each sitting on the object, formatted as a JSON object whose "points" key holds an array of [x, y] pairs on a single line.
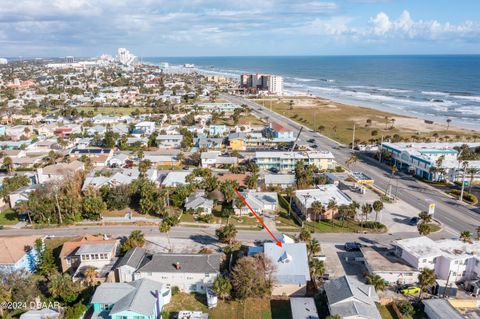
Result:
{"points": [[169, 141], [350, 298], [89, 251], [143, 298], [277, 130], [291, 268], [163, 158], [236, 141], [19, 253], [197, 202], [384, 263], [303, 308], [226, 107], [440, 309], [175, 178], [45, 313], [279, 180], [118, 160], [21, 195], [58, 172], [98, 156], [189, 272], [286, 161], [144, 128], [215, 159], [239, 178], [324, 194], [124, 176], [217, 130], [260, 202]]}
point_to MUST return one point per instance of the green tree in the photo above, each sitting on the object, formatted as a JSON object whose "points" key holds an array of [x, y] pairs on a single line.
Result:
{"points": [[226, 234], [313, 247], [317, 210], [406, 308], [61, 287], [110, 139], [317, 270], [46, 261], [425, 217], [305, 235], [136, 239], [376, 281], [8, 164], [466, 236], [424, 229], [165, 228], [93, 206], [377, 207], [222, 287], [426, 279], [252, 277]]}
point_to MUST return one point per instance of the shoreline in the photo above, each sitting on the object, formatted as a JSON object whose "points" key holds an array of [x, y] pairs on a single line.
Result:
{"points": [[456, 123]]}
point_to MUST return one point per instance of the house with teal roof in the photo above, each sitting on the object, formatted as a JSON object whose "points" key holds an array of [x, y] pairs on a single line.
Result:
{"points": [[140, 299]]}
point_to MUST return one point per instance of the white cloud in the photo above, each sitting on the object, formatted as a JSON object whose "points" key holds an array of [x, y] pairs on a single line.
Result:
{"points": [[381, 23]]}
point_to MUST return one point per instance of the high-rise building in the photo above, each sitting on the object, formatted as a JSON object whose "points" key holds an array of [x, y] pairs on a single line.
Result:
{"points": [[262, 82], [3, 61], [69, 59], [125, 57]]}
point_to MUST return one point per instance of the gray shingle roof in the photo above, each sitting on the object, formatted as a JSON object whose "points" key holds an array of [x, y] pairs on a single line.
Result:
{"points": [[138, 296], [190, 263], [95, 248], [132, 258], [347, 296]]}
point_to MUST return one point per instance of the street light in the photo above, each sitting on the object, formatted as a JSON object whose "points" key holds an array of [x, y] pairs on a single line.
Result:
{"points": [[464, 167]]}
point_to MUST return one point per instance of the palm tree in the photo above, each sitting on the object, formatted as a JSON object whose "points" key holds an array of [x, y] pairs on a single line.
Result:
{"points": [[425, 217], [448, 123], [426, 279], [226, 233], [222, 287], [290, 192], [478, 233], [90, 274], [366, 210], [377, 207], [317, 270], [376, 281], [472, 171], [313, 247], [424, 229], [305, 236], [8, 164], [351, 160], [332, 207], [466, 236], [317, 209]]}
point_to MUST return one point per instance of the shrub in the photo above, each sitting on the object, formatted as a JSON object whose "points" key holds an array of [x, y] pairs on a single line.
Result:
{"points": [[339, 169], [205, 218], [283, 203], [406, 308], [175, 290], [468, 197], [75, 311], [372, 225]]}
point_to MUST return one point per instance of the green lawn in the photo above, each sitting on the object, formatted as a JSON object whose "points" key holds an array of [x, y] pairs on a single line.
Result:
{"points": [[251, 309], [112, 110], [8, 217], [335, 227], [336, 120]]}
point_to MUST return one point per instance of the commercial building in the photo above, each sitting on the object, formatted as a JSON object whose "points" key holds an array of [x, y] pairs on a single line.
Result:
{"points": [[451, 259], [324, 194], [286, 161], [273, 84], [430, 161]]}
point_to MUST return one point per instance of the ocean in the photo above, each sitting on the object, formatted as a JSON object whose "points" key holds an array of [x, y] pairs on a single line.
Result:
{"points": [[431, 87]]}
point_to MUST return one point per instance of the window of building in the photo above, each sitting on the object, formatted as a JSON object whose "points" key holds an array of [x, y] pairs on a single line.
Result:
{"points": [[207, 275]]}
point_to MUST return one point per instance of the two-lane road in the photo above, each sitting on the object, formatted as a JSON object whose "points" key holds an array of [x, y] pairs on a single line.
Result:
{"points": [[456, 216]]}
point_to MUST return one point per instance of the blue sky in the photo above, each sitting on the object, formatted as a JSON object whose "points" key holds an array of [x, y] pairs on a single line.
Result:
{"points": [[241, 27]]}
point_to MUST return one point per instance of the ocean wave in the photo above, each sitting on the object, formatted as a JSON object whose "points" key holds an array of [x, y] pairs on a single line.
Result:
{"points": [[304, 80], [435, 93], [472, 110], [376, 88], [468, 98]]}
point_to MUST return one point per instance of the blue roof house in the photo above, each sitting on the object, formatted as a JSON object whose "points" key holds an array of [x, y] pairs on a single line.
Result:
{"points": [[292, 271], [140, 299]]}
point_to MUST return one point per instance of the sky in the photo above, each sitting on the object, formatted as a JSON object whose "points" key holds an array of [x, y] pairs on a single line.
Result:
{"points": [[54, 28]]}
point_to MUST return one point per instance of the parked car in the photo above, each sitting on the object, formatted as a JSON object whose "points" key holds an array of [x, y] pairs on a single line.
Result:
{"points": [[314, 146], [414, 221], [352, 246], [273, 170], [410, 290], [311, 140]]}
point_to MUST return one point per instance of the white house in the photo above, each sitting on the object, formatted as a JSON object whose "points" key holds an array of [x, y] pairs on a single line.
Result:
{"points": [[144, 128], [198, 202], [261, 202], [304, 199], [214, 158], [58, 172], [189, 272]]}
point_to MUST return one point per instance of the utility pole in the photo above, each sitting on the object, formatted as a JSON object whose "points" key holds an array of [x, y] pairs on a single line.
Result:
{"points": [[464, 165], [353, 137], [380, 156]]}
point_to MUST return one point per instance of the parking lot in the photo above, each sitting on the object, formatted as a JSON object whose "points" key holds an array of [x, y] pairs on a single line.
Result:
{"points": [[340, 262]]}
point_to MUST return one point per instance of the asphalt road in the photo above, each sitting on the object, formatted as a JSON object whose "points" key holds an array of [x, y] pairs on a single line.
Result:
{"points": [[455, 216]]}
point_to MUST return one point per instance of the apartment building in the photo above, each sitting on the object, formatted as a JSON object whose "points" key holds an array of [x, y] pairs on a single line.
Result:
{"points": [[286, 161]]}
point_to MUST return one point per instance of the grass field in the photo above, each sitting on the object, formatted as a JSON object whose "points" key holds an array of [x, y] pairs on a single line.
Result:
{"points": [[8, 217], [336, 120], [244, 119], [112, 110], [251, 309], [335, 227]]}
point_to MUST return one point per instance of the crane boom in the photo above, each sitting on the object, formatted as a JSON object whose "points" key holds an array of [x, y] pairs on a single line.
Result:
{"points": [[296, 140]]}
